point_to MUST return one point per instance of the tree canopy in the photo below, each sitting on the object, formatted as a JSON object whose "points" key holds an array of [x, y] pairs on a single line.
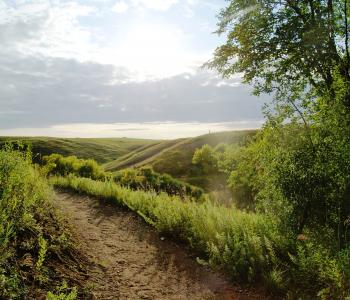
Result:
{"points": [[287, 47]]}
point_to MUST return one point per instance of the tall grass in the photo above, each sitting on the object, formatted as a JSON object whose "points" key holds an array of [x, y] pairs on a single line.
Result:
{"points": [[30, 233], [243, 244], [248, 246]]}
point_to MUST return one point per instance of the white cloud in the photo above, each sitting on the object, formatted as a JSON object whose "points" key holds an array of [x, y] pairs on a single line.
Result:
{"points": [[149, 48], [161, 5], [47, 29], [120, 7]]}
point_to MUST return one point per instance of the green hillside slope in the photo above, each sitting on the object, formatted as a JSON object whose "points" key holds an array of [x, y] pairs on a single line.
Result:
{"points": [[178, 160], [142, 155], [175, 157], [101, 149]]}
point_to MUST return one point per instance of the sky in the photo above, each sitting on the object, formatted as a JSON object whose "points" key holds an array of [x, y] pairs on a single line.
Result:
{"points": [[98, 68]]}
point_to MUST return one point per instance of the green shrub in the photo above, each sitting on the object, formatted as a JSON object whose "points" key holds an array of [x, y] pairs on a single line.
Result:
{"points": [[30, 232], [206, 159], [56, 164], [63, 292], [23, 194], [148, 180], [315, 270]]}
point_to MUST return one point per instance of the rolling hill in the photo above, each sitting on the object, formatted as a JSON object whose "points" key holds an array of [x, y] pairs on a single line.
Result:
{"points": [[141, 156], [175, 157], [100, 149]]}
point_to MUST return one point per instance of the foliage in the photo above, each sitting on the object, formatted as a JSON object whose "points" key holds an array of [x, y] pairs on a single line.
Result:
{"points": [[287, 47], [314, 268], [30, 232], [63, 293], [206, 159], [232, 162], [249, 246], [177, 160], [148, 180], [298, 167], [302, 173], [22, 198], [58, 164], [241, 242]]}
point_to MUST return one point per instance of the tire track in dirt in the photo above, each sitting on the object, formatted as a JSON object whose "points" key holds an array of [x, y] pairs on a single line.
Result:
{"points": [[129, 260]]}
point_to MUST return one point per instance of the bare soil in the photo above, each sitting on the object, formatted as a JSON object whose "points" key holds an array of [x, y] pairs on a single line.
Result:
{"points": [[130, 260]]}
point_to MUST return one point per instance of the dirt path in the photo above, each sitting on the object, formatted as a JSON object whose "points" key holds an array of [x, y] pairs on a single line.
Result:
{"points": [[131, 261]]}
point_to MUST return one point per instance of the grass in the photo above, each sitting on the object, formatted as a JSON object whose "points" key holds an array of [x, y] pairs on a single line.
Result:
{"points": [[100, 149], [165, 155], [141, 156], [32, 236], [247, 246], [243, 244], [175, 157], [178, 161]]}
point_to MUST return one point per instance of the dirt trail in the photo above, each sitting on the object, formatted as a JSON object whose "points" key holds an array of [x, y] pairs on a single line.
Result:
{"points": [[131, 261]]}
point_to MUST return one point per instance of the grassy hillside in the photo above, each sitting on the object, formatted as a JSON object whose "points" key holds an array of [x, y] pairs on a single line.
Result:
{"points": [[141, 156], [102, 150], [174, 157], [178, 160]]}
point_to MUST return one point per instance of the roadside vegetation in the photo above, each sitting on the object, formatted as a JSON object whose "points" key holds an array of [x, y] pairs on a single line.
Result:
{"points": [[175, 158], [250, 247], [137, 179], [56, 164], [36, 249], [289, 223], [148, 180]]}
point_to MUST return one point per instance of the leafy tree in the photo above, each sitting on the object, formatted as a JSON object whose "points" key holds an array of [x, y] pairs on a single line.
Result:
{"points": [[206, 158], [289, 47], [299, 166]]}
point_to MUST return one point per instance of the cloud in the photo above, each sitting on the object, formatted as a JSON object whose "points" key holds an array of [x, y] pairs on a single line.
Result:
{"points": [[160, 5], [44, 28], [37, 92], [149, 48], [120, 7], [61, 64]]}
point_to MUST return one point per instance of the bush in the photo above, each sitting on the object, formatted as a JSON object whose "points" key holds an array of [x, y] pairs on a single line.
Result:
{"points": [[148, 180], [30, 233], [314, 269], [206, 159], [56, 164]]}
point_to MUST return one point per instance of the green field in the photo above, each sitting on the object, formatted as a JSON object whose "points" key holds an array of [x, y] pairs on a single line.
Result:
{"points": [[100, 149]]}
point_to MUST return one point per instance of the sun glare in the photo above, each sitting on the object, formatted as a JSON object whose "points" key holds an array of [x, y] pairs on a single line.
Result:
{"points": [[154, 50]]}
